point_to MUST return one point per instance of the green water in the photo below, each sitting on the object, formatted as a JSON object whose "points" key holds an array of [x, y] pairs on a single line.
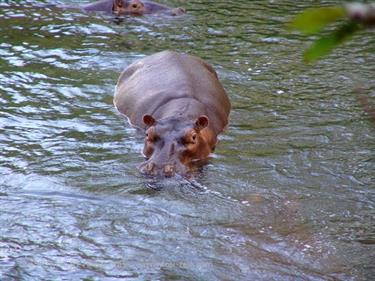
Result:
{"points": [[288, 194]]}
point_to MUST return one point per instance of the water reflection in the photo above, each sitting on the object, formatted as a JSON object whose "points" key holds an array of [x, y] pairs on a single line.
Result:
{"points": [[288, 195]]}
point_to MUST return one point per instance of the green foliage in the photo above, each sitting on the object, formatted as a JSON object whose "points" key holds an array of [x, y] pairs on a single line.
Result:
{"points": [[325, 44], [314, 20]]}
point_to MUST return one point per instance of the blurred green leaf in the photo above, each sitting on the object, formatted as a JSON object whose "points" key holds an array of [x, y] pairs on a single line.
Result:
{"points": [[313, 20], [325, 44]]}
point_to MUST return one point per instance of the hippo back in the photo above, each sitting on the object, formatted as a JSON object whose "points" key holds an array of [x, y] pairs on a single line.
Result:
{"points": [[99, 6], [152, 7], [150, 83]]}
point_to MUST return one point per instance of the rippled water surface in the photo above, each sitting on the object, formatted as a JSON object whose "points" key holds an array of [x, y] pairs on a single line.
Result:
{"points": [[288, 194]]}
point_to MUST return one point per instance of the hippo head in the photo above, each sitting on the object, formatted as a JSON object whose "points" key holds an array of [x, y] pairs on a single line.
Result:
{"points": [[172, 145], [126, 7]]}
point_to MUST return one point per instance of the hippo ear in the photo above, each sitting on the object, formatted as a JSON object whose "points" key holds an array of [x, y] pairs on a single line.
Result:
{"points": [[201, 122], [148, 120]]}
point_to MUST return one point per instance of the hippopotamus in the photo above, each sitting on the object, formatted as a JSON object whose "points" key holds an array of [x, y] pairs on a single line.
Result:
{"points": [[178, 102], [129, 7]]}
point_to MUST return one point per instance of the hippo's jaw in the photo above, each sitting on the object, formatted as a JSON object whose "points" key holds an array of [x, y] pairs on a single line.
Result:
{"points": [[167, 170]]}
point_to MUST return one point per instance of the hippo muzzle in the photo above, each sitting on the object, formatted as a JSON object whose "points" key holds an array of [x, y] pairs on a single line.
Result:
{"points": [[164, 159], [167, 170]]}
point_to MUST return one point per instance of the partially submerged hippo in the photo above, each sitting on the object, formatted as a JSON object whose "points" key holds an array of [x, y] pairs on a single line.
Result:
{"points": [[179, 102], [130, 7]]}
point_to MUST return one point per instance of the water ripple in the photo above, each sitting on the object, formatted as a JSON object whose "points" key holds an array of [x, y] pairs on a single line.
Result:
{"points": [[287, 195]]}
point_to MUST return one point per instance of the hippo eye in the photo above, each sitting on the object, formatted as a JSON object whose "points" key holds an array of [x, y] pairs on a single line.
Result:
{"points": [[190, 139], [152, 137], [135, 6]]}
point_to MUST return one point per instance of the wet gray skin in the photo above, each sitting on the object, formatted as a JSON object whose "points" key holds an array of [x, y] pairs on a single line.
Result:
{"points": [[150, 7]]}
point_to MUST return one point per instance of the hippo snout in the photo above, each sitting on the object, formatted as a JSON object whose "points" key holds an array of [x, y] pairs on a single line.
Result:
{"points": [[152, 169], [169, 170], [148, 168], [166, 170]]}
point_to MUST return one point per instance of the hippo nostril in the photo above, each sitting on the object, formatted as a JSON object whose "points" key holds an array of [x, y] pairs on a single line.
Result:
{"points": [[150, 167], [169, 170]]}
